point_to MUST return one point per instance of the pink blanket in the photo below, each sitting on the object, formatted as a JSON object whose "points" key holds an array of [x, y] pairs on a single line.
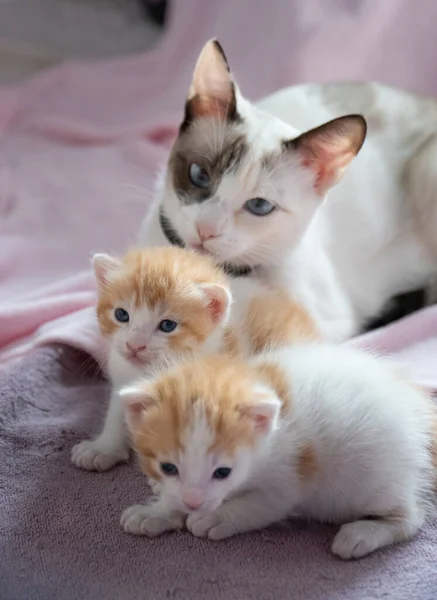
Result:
{"points": [[79, 147]]}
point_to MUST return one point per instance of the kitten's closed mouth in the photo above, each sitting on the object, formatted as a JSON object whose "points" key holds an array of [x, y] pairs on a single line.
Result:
{"points": [[136, 360]]}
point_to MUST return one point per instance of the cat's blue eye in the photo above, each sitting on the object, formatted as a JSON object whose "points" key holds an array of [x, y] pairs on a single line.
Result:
{"points": [[222, 473], [260, 207], [121, 315], [167, 325], [199, 176], [169, 469]]}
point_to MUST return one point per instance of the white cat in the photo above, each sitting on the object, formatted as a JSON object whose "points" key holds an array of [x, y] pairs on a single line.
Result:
{"points": [[243, 184], [315, 431]]}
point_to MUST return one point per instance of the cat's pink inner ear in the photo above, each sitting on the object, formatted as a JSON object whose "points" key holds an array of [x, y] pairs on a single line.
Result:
{"points": [[212, 91], [137, 400], [218, 301], [263, 411], [329, 149], [103, 265]]}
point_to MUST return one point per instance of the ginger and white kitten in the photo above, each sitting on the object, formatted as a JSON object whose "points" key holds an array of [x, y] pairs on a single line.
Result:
{"points": [[313, 430], [154, 305], [246, 185]]}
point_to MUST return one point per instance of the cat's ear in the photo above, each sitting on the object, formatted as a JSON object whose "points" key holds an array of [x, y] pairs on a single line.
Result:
{"points": [[212, 90], [263, 410], [103, 265], [328, 150], [218, 300], [137, 400]]}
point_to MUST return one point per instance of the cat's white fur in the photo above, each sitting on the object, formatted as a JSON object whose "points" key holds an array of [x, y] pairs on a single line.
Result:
{"points": [[344, 256], [371, 434]]}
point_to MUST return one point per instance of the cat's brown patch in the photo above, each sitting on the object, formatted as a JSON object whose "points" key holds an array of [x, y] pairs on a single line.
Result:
{"points": [[307, 464], [217, 148], [218, 388], [273, 320], [163, 277]]}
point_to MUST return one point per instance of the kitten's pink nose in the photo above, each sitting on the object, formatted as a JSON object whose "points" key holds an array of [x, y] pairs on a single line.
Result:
{"points": [[134, 348], [206, 231], [193, 499]]}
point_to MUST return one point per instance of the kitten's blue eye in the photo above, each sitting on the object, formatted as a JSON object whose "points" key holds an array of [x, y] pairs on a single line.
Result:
{"points": [[222, 473], [198, 176], [121, 315], [167, 326], [259, 207], [169, 469]]}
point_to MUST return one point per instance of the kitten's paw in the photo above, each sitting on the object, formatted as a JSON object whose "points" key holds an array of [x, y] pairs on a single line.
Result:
{"points": [[155, 486], [143, 520], [213, 526], [93, 456], [355, 540]]}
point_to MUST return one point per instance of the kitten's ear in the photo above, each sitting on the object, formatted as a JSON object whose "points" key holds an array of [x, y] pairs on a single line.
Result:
{"points": [[264, 410], [137, 400], [328, 150], [218, 299], [103, 264], [212, 90]]}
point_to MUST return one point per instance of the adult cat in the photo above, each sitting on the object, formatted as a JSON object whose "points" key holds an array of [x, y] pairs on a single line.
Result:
{"points": [[246, 186]]}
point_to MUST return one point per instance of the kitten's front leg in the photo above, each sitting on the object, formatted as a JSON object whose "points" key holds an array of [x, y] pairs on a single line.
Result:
{"points": [[110, 447], [152, 519], [250, 511]]}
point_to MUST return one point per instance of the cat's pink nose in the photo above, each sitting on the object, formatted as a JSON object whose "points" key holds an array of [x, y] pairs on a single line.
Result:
{"points": [[134, 348], [206, 231], [193, 499]]}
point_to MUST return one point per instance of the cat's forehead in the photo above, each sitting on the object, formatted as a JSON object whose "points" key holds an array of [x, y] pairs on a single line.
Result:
{"points": [[241, 151]]}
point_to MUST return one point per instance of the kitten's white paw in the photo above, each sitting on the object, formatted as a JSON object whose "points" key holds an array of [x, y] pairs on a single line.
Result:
{"points": [[93, 456], [355, 540], [213, 526], [143, 520]]}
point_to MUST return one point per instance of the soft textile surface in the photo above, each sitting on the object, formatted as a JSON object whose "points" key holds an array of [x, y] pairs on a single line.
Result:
{"points": [[79, 146], [59, 527], [78, 151]]}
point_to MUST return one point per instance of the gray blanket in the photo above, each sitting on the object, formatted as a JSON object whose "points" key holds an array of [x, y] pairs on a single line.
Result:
{"points": [[59, 527]]}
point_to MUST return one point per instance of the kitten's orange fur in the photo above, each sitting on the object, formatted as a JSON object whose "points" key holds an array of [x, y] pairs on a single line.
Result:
{"points": [[273, 319], [155, 276], [219, 387]]}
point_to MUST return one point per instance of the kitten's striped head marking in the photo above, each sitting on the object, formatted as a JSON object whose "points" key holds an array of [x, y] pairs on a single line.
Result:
{"points": [[241, 184], [156, 304]]}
